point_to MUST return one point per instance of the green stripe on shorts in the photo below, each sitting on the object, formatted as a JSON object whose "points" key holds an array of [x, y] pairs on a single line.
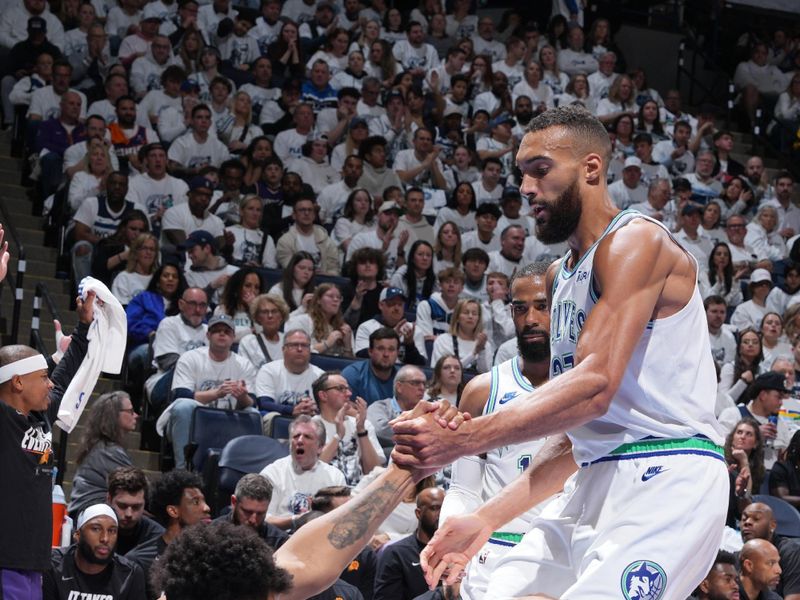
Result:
{"points": [[659, 445], [507, 537]]}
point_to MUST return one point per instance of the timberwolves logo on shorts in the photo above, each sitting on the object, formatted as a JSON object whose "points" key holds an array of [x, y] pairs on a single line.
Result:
{"points": [[643, 580]]}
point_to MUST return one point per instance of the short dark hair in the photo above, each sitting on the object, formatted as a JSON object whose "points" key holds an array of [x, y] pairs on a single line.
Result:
{"points": [[491, 160], [222, 561], [200, 107], [535, 269], [168, 491], [323, 499], [383, 333], [371, 142], [587, 132], [348, 92], [475, 254], [126, 479], [713, 299], [320, 382]]}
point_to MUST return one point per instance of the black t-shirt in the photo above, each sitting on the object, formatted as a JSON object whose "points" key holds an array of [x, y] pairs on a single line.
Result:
{"points": [[146, 530], [120, 580], [789, 551], [399, 575], [361, 572], [784, 474], [26, 467]]}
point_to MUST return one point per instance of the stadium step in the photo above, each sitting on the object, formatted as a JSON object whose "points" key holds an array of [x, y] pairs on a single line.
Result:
{"points": [[40, 268]]}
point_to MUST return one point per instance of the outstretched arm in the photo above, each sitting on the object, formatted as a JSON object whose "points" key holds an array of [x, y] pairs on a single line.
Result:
{"points": [[321, 549], [634, 269]]}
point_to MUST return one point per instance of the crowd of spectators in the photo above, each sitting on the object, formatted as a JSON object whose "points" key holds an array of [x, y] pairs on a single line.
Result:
{"points": [[261, 182]]}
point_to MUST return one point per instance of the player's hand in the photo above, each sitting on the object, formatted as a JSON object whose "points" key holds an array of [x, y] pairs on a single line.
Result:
{"points": [[85, 308], [429, 437], [456, 541]]}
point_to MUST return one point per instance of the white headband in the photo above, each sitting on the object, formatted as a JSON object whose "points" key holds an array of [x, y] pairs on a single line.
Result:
{"points": [[94, 511], [31, 364]]}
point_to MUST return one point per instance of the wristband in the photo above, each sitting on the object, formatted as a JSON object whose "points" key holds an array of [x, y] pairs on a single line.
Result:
{"points": [[362, 433]]}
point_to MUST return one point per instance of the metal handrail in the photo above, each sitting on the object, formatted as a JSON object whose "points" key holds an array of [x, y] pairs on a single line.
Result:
{"points": [[36, 341], [11, 230]]}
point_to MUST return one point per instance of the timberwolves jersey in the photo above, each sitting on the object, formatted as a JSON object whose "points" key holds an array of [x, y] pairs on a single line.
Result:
{"points": [[669, 385], [504, 464]]}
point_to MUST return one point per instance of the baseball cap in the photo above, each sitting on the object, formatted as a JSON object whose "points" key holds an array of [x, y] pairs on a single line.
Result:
{"points": [[37, 24], [190, 85], [451, 110], [94, 511], [391, 292], [358, 120], [759, 275], [389, 205], [223, 319], [199, 182], [771, 380], [394, 94], [511, 191], [633, 161], [152, 13], [200, 237], [501, 119]]}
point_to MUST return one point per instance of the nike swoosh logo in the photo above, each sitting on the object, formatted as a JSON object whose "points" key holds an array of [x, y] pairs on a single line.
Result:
{"points": [[652, 472], [66, 578], [413, 564]]}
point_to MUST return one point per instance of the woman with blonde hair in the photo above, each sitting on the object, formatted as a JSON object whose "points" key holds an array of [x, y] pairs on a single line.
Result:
{"points": [[466, 339], [621, 101], [324, 323], [142, 263], [251, 246], [269, 312], [551, 75], [240, 131], [91, 180]]}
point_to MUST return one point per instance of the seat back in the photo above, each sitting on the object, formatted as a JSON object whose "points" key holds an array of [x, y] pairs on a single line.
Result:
{"points": [[279, 428], [246, 454], [270, 276], [326, 362], [786, 515], [214, 427]]}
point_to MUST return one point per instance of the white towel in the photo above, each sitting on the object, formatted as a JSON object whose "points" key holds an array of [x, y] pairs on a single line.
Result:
{"points": [[108, 335]]}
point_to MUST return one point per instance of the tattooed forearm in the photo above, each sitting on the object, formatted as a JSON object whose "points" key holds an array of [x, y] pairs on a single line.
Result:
{"points": [[354, 526]]}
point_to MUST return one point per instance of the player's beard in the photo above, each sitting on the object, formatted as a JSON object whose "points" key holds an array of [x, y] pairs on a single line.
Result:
{"points": [[533, 351], [563, 216], [89, 556]]}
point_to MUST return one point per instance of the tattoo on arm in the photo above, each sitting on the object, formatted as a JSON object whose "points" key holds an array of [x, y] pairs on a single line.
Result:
{"points": [[354, 526]]}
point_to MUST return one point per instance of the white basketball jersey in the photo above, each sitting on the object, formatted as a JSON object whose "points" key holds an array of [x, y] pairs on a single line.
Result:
{"points": [[669, 385], [504, 464]]}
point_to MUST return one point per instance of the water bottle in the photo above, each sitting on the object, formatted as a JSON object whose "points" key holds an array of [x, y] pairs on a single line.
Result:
{"points": [[59, 512], [773, 419]]}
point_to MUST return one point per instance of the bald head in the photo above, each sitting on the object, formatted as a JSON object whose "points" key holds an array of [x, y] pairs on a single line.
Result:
{"points": [[760, 563], [758, 522]]}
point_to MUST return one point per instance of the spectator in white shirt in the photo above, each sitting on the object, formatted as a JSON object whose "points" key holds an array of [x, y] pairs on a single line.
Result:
{"points": [[466, 339], [600, 81], [297, 477], [14, 23], [768, 79], [690, 236], [483, 237], [416, 56], [629, 189], [197, 148], [483, 41], [763, 235], [573, 59], [186, 217], [508, 260], [751, 312]]}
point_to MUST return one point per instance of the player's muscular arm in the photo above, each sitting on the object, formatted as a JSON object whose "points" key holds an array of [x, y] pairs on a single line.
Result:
{"points": [[633, 268]]}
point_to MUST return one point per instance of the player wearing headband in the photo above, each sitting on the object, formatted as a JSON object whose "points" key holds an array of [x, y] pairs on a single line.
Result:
{"points": [[28, 404]]}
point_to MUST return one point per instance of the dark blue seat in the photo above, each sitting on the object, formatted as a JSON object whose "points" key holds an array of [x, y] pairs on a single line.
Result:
{"points": [[343, 283], [279, 427], [326, 362], [212, 428], [242, 455], [270, 276], [786, 515]]}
